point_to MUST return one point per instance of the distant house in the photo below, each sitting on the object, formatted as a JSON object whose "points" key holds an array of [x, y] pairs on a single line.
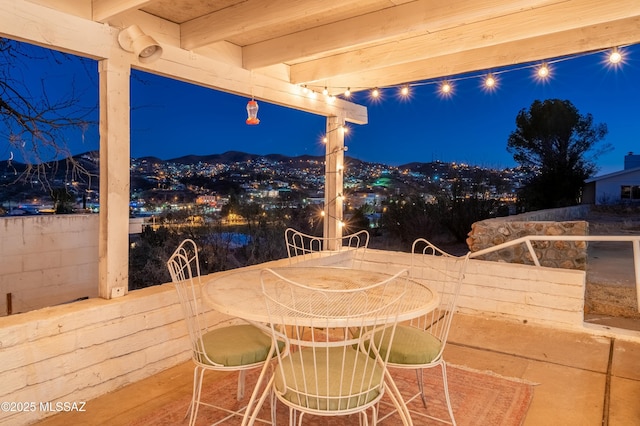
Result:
{"points": [[617, 187]]}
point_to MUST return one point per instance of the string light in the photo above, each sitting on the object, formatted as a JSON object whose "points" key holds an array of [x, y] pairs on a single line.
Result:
{"points": [[543, 71], [341, 222], [446, 88], [489, 82], [615, 57], [325, 91], [343, 128]]}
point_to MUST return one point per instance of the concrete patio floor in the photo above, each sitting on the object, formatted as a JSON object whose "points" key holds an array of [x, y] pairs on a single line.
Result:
{"points": [[581, 379]]}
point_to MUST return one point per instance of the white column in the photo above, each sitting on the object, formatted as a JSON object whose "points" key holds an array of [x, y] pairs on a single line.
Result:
{"points": [[333, 187], [113, 246]]}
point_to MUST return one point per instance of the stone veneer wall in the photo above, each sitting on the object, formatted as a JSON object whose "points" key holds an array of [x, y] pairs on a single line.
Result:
{"points": [[553, 222]]}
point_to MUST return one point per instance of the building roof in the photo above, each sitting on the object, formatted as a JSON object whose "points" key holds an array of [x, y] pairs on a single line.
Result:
{"points": [[613, 175]]}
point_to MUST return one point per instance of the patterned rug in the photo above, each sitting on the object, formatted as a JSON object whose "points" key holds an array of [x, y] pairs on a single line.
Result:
{"points": [[478, 398]]}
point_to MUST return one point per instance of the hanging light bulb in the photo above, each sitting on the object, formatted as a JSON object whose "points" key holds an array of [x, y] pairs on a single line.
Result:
{"points": [[615, 57], [404, 90], [446, 88], [325, 91], [252, 113], [347, 92], [543, 71], [375, 93], [490, 82]]}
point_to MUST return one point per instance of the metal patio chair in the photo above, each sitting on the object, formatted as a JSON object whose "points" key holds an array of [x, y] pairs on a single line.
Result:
{"points": [[301, 246], [333, 367], [420, 343], [237, 348]]}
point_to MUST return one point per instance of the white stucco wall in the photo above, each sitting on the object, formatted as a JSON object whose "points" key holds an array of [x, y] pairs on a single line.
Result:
{"points": [[608, 187], [47, 260]]}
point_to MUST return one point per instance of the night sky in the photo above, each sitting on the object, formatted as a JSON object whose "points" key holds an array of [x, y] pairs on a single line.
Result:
{"points": [[170, 119]]}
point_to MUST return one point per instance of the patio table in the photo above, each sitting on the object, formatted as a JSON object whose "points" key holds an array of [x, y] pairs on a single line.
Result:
{"points": [[239, 294]]}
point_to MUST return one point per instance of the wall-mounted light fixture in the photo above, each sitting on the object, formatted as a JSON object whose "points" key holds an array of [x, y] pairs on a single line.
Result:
{"points": [[143, 46]]}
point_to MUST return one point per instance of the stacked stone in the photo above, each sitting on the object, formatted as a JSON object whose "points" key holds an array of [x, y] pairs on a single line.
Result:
{"points": [[555, 254]]}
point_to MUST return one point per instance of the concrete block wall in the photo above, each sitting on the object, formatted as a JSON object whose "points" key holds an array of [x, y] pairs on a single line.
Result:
{"points": [[547, 296], [78, 351], [47, 260]]}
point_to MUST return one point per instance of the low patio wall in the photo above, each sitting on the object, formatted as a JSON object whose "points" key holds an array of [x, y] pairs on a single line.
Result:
{"points": [[78, 351], [47, 260], [547, 296]]}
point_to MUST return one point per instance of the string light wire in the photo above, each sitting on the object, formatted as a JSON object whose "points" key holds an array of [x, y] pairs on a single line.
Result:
{"points": [[615, 56]]}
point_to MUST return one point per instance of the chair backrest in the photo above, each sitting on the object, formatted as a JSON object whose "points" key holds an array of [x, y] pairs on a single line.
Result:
{"points": [[301, 246], [330, 335], [444, 273], [185, 273]]}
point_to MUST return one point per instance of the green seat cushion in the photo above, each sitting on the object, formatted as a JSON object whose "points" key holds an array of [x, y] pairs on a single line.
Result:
{"points": [[411, 345], [236, 345], [325, 389]]}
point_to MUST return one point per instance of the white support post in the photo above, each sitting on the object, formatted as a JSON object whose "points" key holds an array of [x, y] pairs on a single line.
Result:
{"points": [[636, 266], [333, 185], [113, 245]]}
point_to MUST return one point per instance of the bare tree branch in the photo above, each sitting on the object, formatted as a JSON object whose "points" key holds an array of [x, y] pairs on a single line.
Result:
{"points": [[37, 125]]}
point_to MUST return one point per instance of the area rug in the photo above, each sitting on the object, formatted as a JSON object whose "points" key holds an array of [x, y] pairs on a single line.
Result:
{"points": [[478, 398]]}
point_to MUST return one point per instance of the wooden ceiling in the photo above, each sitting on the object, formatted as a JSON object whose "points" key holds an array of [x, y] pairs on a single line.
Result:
{"points": [[363, 44], [268, 48]]}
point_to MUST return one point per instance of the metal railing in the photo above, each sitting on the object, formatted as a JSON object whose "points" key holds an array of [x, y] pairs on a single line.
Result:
{"points": [[526, 240]]}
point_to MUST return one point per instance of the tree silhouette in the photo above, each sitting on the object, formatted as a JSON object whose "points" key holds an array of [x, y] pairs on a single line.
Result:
{"points": [[35, 120], [559, 145]]}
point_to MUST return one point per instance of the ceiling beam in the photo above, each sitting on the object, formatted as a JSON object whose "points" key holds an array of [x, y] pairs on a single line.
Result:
{"points": [[405, 21], [103, 10], [587, 39], [183, 65], [43, 26], [49, 28], [251, 15], [571, 14]]}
